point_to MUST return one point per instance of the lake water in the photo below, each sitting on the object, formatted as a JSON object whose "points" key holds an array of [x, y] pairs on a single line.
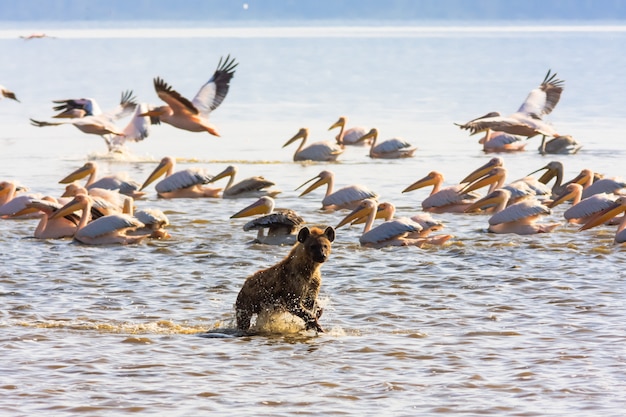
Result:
{"points": [[485, 325]]}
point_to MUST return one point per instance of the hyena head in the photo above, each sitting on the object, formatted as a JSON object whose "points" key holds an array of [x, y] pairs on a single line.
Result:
{"points": [[317, 242]]}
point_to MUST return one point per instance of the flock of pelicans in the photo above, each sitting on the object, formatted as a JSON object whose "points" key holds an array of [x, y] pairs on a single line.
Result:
{"points": [[102, 210]]}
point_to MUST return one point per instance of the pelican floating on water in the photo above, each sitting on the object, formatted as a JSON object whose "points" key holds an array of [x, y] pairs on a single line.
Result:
{"points": [[318, 151], [5, 92], [389, 149], [443, 200], [120, 181], [527, 120], [582, 209], [111, 229], [502, 142], [618, 206], [47, 228], [519, 218], [249, 187], [347, 197], [349, 136], [193, 115], [282, 225], [563, 145], [187, 183]]}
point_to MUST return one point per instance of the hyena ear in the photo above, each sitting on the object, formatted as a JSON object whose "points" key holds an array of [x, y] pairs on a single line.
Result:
{"points": [[330, 233], [303, 234]]}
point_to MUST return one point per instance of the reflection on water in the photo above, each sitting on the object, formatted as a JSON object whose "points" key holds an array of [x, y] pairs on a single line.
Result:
{"points": [[486, 324]]}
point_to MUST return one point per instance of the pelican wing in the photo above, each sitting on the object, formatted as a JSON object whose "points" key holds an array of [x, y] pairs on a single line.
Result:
{"points": [[392, 145], [152, 217], [17, 204], [250, 184], [348, 194], [70, 107], [449, 195], [320, 151], [118, 182], [177, 102], [544, 98], [604, 185], [183, 179], [109, 224], [215, 90], [590, 206], [137, 129], [389, 230], [285, 218], [520, 212]]}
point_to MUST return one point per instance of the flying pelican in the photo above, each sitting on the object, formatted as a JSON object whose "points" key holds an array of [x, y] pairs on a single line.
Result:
{"points": [[389, 149], [563, 144], [619, 206], [519, 218], [345, 198], [4, 92], [501, 142], [119, 181], [582, 209], [111, 229], [395, 232], [194, 115], [250, 187], [349, 136], [102, 124], [317, 151], [187, 183], [443, 200], [527, 120], [282, 224]]}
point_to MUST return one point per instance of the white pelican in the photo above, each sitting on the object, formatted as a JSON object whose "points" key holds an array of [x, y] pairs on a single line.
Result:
{"points": [[345, 198], [249, 187], [282, 224], [389, 149], [121, 202], [443, 200], [605, 185], [349, 136], [554, 169], [119, 181], [501, 142], [187, 183], [194, 115], [582, 209], [5, 92], [111, 229], [317, 151], [8, 191], [527, 120], [618, 206], [154, 223], [102, 124], [519, 218], [47, 228], [563, 144], [395, 232]]}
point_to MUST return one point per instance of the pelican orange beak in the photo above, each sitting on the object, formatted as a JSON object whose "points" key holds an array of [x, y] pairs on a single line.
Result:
{"points": [[490, 200], [570, 192], [80, 173], [424, 182], [302, 133], [582, 178], [381, 213], [491, 177], [228, 172], [605, 215], [371, 134], [339, 123], [258, 207], [71, 207], [320, 181], [161, 169], [482, 170], [360, 212], [550, 173]]}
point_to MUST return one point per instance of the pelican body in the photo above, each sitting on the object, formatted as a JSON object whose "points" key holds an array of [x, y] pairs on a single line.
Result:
{"points": [[345, 198], [618, 206], [443, 200], [282, 225], [325, 151], [120, 182], [349, 136], [193, 115], [249, 187], [389, 149], [187, 183]]}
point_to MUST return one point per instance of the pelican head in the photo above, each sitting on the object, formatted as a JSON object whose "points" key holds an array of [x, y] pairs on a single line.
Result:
{"points": [[73, 189], [339, 123], [571, 191], [263, 205], [553, 169], [495, 175], [362, 211], [166, 165], [229, 171], [324, 177], [432, 178], [619, 206], [303, 133], [493, 199], [80, 202], [87, 169], [372, 134], [384, 210], [482, 170], [586, 177]]}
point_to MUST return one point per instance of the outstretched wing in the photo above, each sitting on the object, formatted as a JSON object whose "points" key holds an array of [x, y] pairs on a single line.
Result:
{"points": [[173, 98], [543, 99], [215, 90]]}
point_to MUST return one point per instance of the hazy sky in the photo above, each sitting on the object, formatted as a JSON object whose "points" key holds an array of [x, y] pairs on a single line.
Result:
{"points": [[529, 10]]}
